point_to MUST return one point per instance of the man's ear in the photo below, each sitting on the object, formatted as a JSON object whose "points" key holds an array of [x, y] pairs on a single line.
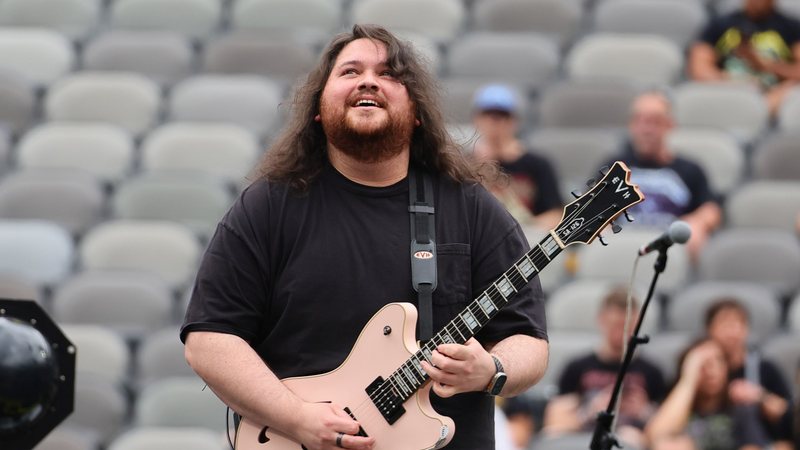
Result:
{"points": [[417, 122]]}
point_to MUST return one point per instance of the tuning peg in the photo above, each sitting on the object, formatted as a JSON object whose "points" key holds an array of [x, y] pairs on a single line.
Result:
{"points": [[604, 170], [591, 182], [575, 194], [628, 217], [602, 241], [615, 228]]}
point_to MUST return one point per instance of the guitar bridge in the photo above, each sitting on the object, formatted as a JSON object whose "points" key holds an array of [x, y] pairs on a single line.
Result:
{"points": [[384, 398]]}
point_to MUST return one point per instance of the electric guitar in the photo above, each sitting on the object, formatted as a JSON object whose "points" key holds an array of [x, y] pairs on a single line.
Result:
{"points": [[381, 384]]}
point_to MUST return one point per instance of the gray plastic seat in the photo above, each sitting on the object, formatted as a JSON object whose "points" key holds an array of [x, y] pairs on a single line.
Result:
{"points": [[192, 18], [458, 95], [128, 100], [73, 200], [169, 438], [564, 347], [664, 350], [132, 304], [764, 204], [308, 21], [15, 287], [769, 257], [596, 103], [558, 19], [102, 353], [527, 60], [179, 402], [717, 152], [65, 437], [242, 54], [161, 355], [17, 102], [37, 55], [687, 308], [103, 150], [74, 18], [778, 157], [783, 350], [643, 59], [438, 19], [36, 251], [100, 409], [789, 112], [247, 100], [163, 56], [678, 21], [166, 249], [737, 108]]}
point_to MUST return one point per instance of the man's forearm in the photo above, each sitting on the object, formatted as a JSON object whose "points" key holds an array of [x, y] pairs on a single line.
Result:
{"points": [[235, 372], [524, 359]]}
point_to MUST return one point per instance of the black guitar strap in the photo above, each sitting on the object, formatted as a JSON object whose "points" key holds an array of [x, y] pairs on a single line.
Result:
{"points": [[423, 248]]}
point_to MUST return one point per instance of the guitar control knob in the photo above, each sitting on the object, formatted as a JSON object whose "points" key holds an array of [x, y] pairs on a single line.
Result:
{"points": [[387, 330]]}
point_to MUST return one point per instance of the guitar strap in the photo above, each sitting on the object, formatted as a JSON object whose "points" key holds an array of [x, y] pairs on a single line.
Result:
{"points": [[423, 248]]}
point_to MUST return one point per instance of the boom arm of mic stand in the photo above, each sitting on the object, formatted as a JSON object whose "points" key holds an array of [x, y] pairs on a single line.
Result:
{"points": [[603, 437]]}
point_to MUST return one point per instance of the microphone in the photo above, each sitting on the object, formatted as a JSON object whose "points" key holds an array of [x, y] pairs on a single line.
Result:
{"points": [[678, 233]]}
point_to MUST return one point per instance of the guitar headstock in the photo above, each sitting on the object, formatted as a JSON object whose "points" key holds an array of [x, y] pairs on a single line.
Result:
{"points": [[585, 217]]}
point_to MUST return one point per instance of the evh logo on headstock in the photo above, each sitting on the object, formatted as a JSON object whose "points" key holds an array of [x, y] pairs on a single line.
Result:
{"points": [[621, 186]]}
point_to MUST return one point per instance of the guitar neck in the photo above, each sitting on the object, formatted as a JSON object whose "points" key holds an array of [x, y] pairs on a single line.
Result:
{"points": [[410, 376]]}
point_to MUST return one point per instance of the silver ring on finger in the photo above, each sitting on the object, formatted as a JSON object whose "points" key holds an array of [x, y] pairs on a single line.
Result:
{"points": [[339, 440]]}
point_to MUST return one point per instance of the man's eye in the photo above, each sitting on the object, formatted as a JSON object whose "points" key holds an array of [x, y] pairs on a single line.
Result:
{"points": [[387, 73], [350, 71]]}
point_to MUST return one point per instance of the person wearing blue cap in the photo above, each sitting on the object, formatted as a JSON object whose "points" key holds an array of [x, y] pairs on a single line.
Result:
{"points": [[531, 191]]}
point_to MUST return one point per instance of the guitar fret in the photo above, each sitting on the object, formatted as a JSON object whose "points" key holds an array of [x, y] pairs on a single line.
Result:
{"points": [[469, 319], [530, 267], [456, 329], [446, 338], [543, 251], [505, 287], [522, 274], [487, 305], [408, 375], [418, 367], [403, 385]]}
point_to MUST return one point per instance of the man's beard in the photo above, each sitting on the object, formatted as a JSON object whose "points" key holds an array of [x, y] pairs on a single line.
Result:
{"points": [[368, 146]]}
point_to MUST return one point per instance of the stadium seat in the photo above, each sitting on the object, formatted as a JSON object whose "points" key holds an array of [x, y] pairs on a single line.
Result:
{"points": [[161, 356], [15, 287], [249, 101], [243, 54], [597, 103], [687, 308], [642, 59], [788, 7], [789, 112], [793, 314], [615, 262], [192, 18], [37, 55], [664, 350], [576, 153], [65, 437], [128, 100], [717, 153], [783, 351], [586, 296], [102, 354], [778, 157], [179, 402], [564, 347], [166, 249], [74, 18], [679, 22], [100, 409], [73, 200], [526, 60], [441, 20], [183, 198], [164, 57], [559, 19], [35, 251], [103, 150], [307, 21], [458, 95], [764, 204], [17, 102], [169, 438], [223, 150], [770, 257], [733, 107], [131, 303]]}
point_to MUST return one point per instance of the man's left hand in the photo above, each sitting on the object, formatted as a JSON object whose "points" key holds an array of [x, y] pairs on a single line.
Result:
{"points": [[460, 368]]}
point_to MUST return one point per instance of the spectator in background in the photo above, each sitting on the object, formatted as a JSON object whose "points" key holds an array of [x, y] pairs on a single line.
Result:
{"points": [[757, 44], [520, 419], [755, 383], [674, 187], [698, 413], [531, 192], [585, 384]]}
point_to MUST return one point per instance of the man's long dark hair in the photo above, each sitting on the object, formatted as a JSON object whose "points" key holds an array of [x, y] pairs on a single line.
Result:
{"points": [[299, 153]]}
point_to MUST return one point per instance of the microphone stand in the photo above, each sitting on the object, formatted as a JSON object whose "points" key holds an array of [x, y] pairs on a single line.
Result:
{"points": [[603, 438]]}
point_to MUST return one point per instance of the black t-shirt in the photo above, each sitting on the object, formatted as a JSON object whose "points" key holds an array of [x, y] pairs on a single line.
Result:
{"points": [[298, 276], [670, 191], [588, 375], [771, 379], [534, 181], [773, 38]]}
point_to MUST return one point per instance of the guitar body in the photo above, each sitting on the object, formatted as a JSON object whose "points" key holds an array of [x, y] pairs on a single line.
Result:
{"points": [[374, 354]]}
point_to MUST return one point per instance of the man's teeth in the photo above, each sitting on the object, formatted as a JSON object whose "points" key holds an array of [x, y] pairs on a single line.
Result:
{"points": [[367, 103]]}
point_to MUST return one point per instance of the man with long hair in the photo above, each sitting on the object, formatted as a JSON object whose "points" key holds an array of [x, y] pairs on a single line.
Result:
{"points": [[320, 242]]}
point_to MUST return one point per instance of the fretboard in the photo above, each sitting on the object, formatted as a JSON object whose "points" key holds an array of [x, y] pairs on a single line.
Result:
{"points": [[410, 376]]}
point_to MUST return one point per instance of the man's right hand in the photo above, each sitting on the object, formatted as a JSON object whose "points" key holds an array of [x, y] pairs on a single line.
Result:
{"points": [[317, 426]]}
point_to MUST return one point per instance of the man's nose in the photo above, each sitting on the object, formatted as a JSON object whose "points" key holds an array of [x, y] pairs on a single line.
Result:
{"points": [[368, 81]]}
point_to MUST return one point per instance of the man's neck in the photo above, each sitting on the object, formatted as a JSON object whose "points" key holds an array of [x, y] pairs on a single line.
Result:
{"points": [[376, 174], [609, 354]]}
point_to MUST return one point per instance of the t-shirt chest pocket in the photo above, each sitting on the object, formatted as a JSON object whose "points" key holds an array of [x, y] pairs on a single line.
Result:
{"points": [[454, 275]]}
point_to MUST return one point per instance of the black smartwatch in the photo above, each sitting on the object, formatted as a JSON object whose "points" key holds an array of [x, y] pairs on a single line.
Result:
{"points": [[498, 380]]}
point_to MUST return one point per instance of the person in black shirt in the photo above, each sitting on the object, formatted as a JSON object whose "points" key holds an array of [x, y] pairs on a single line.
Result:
{"points": [[674, 187], [320, 242], [756, 44], [531, 193]]}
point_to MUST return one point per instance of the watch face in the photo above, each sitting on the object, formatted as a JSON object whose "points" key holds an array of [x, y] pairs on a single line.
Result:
{"points": [[498, 383]]}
